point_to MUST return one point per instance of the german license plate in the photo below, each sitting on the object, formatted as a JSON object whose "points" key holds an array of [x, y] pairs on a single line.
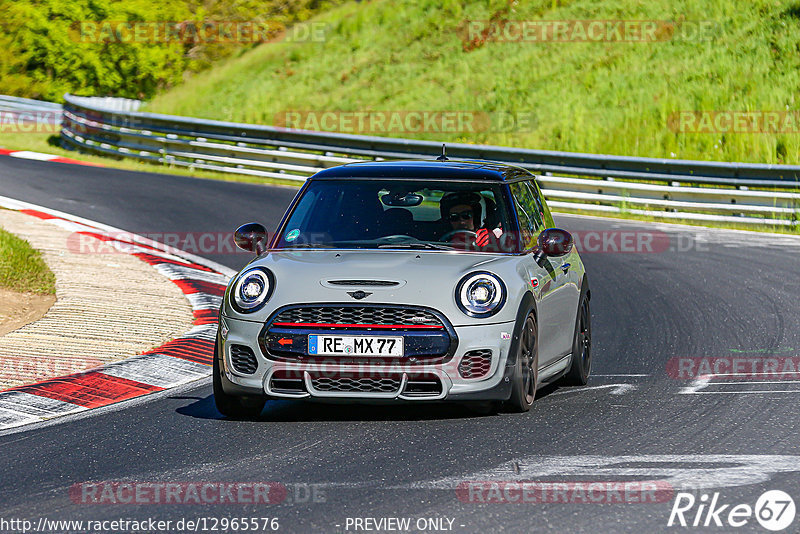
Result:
{"points": [[325, 345]]}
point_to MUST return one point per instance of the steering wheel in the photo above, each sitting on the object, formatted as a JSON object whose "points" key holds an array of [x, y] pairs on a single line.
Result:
{"points": [[468, 233]]}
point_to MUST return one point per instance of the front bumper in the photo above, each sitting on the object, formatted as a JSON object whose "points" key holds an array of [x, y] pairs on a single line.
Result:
{"points": [[369, 379]]}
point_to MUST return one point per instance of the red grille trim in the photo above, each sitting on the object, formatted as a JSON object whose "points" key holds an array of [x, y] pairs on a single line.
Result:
{"points": [[340, 325]]}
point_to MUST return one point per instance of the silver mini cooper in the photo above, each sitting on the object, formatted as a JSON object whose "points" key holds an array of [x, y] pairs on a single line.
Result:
{"points": [[405, 281]]}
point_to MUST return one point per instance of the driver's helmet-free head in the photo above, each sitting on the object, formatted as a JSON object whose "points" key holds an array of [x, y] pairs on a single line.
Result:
{"points": [[468, 198]]}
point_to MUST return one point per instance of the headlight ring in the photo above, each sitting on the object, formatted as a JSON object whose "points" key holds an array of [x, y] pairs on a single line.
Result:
{"points": [[480, 294], [252, 290]]}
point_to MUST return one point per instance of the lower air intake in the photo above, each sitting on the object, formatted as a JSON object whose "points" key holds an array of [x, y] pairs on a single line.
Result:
{"points": [[288, 383], [424, 385], [475, 363], [243, 359], [356, 384]]}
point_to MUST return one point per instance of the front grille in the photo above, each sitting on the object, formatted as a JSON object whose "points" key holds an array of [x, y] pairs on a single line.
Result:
{"points": [[475, 363], [428, 338], [356, 384], [243, 359], [357, 315]]}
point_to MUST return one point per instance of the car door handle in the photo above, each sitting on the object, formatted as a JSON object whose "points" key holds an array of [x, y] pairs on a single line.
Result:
{"points": [[565, 267]]}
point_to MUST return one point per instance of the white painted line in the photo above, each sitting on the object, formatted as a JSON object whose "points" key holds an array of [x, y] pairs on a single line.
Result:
{"points": [[619, 375], [740, 392], [682, 472], [770, 373], [27, 154], [698, 383], [706, 381], [755, 382], [617, 389]]}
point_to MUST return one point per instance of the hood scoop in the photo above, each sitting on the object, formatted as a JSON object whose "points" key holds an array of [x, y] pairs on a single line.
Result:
{"points": [[363, 283]]}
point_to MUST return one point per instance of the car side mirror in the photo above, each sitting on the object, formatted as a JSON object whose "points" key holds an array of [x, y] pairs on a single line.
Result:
{"points": [[251, 237], [553, 242]]}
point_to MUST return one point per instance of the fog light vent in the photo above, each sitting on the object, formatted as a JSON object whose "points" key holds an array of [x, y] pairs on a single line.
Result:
{"points": [[475, 363], [243, 359]]}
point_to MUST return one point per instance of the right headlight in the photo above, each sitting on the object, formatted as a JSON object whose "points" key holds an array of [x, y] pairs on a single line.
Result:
{"points": [[251, 290], [480, 294]]}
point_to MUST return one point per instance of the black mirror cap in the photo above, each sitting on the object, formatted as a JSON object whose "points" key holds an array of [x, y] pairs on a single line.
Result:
{"points": [[251, 237], [555, 242]]}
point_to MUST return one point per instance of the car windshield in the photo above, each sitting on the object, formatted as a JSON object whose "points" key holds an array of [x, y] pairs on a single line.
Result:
{"points": [[401, 214]]}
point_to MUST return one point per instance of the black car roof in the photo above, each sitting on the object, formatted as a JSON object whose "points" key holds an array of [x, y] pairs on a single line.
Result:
{"points": [[468, 170]]}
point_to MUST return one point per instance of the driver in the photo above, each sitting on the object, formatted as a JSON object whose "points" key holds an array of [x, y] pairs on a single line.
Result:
{"points": [[463, 211]]}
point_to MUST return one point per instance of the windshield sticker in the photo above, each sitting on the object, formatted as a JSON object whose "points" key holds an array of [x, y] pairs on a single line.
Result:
{"points": [[291, 235]]}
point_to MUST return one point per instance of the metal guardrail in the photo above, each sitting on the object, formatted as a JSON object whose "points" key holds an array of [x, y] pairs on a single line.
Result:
{"points": [[19, 104], [681, 189], [27, 104], [108, 103], [27, 110]]}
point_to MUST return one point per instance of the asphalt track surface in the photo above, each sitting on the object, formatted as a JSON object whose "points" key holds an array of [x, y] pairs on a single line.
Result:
{"points": [[724, 297]]}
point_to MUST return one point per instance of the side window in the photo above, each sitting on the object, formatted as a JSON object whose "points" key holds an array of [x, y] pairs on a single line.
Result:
{"points": [[534, 205], [544, 210], [529, 221]]}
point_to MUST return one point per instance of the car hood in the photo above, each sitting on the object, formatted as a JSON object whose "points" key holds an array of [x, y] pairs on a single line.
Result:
{"points": [[423, 278]]}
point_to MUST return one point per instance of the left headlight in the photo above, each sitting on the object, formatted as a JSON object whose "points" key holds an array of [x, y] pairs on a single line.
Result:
{"points": [[480, 294], [251, 290]]}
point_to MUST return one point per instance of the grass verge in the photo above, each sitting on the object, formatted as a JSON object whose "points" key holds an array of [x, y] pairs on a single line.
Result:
{"points": [[22, 267]]}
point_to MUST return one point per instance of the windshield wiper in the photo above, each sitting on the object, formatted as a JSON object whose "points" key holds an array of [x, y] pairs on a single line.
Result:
{"points": [[308, 245], [419, 245]]}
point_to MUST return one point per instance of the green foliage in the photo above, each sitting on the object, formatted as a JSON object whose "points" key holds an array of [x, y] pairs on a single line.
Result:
{"points": [[602, 97], [47, 47]]}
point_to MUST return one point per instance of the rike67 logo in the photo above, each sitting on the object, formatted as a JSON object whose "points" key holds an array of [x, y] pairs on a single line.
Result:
{"points": [[774, 510]]}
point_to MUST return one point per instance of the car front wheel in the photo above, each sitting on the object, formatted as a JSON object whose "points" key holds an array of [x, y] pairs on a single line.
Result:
{"points": [[523, 390]]}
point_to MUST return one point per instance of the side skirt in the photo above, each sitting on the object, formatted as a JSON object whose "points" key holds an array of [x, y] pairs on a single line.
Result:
{"points": [[555, 370]]}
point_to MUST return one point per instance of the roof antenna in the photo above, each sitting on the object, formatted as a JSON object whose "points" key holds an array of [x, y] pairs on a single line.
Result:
{"points": [[443, 157]]}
